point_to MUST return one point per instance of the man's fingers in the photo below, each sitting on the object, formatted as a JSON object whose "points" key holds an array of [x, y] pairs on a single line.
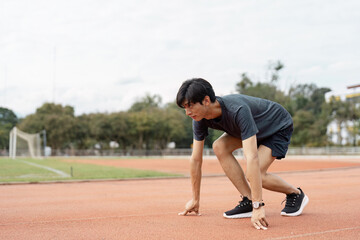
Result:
{"points": [[183, 213], [263, 228], [264, 222], [259, 226]]}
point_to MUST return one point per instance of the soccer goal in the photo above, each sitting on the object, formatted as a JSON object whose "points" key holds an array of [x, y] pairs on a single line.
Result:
{"points": [[24, 144]]}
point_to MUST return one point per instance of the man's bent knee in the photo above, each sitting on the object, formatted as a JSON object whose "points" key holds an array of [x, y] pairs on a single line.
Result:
{"points": [[225, 145], [219, 147]]}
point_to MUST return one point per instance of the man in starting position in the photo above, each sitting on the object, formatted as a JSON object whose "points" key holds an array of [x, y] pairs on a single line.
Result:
{"points": [[261, 127]]}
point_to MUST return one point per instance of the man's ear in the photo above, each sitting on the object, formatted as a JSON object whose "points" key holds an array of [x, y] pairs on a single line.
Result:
{"points": [[206, 101]]}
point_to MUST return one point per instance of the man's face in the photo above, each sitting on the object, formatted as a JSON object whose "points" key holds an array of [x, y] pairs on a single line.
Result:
{"points": [[196, 111]]}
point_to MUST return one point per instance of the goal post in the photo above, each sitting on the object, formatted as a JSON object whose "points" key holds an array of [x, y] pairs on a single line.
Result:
{"points": [[24, 144]]}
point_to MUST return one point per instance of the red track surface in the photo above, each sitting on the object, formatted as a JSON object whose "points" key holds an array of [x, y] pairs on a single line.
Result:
{"points": [[147, 209]]}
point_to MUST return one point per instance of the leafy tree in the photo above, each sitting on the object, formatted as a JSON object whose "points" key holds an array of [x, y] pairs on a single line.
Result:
{"points": [[303, 120], [311, 115], [8, 120], [170, 125], [344, 112], [7, 116], [244, 84], [58, 121], [354, 117], [83, 138], [146, 102], [152, 126], [274, 69], [306, 103], [182, 128], [266, 90], [101, 129], [139, 127], [120, 128]]}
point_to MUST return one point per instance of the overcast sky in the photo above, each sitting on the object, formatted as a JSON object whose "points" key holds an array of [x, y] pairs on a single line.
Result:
{"points": [[103, 55]]}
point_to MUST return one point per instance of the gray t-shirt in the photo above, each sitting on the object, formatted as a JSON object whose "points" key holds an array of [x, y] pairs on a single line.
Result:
{"points": [[244, 116]]}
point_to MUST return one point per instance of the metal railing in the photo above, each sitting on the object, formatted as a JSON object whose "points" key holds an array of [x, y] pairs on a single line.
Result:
{"points": [[187, 152], [324, 151]]}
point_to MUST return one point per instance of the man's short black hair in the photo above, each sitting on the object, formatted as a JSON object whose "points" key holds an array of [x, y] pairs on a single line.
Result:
{"points": [[194, 91]]}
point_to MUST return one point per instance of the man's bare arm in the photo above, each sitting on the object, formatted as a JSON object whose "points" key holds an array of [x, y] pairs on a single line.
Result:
{"points": [[195, 173], [253, 168], [254, 176]]}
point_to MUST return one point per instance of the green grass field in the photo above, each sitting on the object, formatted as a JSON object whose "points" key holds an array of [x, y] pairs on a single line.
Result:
{"points": [[54, 169]]}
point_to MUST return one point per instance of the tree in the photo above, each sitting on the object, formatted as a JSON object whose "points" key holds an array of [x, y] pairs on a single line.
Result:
{"points": [[146, 102], [344, 113], [83, 138], [311, 115], [244, 83], [101, 128], [8, 120], [274, 69], [266, 90], [354, 116], [120, 129], [58, 121], [140, 124], [306, 103], [182, 133], [152, 126]]}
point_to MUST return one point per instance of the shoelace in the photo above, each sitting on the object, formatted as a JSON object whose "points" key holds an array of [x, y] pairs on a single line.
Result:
{"points": [[290, 200], [242, 203]]}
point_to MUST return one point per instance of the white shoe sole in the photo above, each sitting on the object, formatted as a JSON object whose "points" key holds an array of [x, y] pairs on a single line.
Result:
{"points": [[242, 215], [303, 204]]}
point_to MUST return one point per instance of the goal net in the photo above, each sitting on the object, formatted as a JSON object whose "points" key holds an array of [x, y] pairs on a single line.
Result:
{"points": [[24, 144]]}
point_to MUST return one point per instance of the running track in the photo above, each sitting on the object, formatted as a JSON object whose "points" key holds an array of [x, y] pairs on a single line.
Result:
{"points": [[147, 209]]}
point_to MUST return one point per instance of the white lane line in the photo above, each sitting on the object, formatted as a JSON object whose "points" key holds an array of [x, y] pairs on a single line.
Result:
{"points": [[60, 173], [314, 233]]}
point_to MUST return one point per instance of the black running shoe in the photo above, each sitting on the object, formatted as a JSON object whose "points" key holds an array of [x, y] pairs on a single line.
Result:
{"points": [[243, 210], [295, 204]]}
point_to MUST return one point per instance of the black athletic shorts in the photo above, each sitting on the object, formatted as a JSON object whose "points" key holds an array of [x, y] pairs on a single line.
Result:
{"points": [[279, 142]]}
